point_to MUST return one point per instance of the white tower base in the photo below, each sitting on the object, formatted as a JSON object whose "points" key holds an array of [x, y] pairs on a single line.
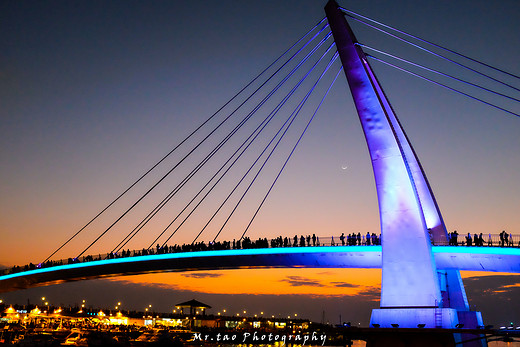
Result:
{"points": [[414, 318]]}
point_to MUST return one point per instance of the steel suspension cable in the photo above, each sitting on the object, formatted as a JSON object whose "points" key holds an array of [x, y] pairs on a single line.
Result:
{"points": [[429, 42], [435, 54], [293, 115], [168, 198], [268, 96], [183, 182], [292, 151], [277, 108], [250, 139], [442, 85], [183, 141], [255, 133], [437, 72]]}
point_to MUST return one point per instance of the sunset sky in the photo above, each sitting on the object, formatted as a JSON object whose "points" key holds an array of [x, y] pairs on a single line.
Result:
{"points": [[92, 94]]}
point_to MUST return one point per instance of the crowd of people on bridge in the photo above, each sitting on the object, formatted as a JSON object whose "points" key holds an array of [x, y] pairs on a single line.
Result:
{"points": [[245, 243], [506, 240], [353, 239]]}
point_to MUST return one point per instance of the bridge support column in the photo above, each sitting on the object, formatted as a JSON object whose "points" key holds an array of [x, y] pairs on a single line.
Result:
{"points": [[412, 291], [414, 317]]}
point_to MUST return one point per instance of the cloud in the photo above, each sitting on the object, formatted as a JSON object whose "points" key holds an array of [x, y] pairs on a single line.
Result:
{"points": [[130, 284], [201, 275], [496, 296], [327, 273], [344, 285], [370, 294], [298, 281], [502, 288]]}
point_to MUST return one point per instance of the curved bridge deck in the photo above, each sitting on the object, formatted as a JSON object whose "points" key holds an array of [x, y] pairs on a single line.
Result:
{"points": [[446, 257]]}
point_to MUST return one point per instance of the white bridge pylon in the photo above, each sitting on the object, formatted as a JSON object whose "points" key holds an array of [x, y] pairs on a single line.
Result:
{"points": [[413, 289]]}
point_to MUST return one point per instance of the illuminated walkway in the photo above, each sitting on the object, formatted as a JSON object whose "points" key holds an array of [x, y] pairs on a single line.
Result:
{"points": [[494, 259]]}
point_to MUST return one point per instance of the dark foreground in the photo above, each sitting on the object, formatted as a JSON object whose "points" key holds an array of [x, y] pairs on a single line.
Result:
{"points": [[322, 336]]}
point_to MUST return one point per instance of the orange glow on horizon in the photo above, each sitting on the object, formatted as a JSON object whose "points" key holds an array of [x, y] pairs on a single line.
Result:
{"points": [[290, 281], [300, 281]]}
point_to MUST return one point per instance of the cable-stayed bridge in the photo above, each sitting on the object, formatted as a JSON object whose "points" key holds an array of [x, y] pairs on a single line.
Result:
{"points": [[316, 53]]}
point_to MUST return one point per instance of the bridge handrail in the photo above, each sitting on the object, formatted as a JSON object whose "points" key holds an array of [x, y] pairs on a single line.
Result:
{"points": [[489, 241]]}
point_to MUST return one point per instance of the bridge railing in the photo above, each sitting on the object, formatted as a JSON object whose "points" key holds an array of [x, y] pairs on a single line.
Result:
{"points": [[493, 240], [201, 246], [489, 240]]}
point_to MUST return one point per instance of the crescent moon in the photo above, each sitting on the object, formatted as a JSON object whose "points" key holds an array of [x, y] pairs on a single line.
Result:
{"points": [[344, 167]]}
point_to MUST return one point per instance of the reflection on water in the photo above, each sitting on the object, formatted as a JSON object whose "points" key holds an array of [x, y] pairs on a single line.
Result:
{"points": [[356, 343], [504, 344]]}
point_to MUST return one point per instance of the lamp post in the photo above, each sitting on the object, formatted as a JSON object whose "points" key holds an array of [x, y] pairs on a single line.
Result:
{"points": [[45, 302], [118, 306]]}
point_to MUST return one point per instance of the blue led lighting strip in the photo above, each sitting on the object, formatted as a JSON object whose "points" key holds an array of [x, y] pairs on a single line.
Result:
{"points": [[494, 251], [202, 254], [476, 250]]}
